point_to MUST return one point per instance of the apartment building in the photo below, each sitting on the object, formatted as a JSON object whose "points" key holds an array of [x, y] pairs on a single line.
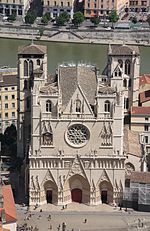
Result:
{"points": [[9, 7], [103, 8], [139, 5], [8, 98], [56, 7]]}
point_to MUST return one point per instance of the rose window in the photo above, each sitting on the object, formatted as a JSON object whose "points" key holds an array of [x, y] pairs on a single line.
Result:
{"points": [[77, 135]]}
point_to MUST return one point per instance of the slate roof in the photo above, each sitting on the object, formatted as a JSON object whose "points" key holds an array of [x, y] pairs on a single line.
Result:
{"points": [[106, 90], [32, 49], [49, 89], [123, 50], [8, 80], [72, 76], [140, 177], [140, 111], [131, 144]]}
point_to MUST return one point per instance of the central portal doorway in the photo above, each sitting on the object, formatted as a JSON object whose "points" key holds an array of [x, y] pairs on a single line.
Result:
{"points": [[104, 196], [76, 195], [49, 196]]}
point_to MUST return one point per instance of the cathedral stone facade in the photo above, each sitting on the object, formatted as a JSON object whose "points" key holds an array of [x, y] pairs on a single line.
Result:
{"points": [[71, 128]]}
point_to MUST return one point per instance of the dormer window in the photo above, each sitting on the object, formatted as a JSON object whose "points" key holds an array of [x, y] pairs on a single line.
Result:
{"points": [[48, 106], [78, 105], [107, 106]]}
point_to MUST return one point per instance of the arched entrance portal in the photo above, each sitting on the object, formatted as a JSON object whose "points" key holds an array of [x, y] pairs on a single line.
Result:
{"points": [[51, 192], [106, 192], [79, 189], [49, 196], [76, 195]]}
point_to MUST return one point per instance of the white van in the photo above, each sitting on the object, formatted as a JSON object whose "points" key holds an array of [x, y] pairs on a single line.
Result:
{"points": [[5, 18]]}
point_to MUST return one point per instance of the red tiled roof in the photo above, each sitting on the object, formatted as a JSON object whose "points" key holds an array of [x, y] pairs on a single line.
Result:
{"points": [[140, 111], [140, 177], [9, 204], [144, 79]]}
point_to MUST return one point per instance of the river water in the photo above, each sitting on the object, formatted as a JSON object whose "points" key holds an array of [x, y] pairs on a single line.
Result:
{"points": [[64, 52]]}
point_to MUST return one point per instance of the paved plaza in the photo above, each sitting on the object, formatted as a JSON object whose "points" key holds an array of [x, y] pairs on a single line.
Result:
{"points": [[79, 217]]}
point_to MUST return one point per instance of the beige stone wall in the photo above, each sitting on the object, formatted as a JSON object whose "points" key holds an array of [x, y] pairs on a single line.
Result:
{"points": [[101, 7], [8, 105]]}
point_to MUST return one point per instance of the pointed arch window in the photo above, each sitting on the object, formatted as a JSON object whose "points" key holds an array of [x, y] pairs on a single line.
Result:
{"points": [[47, 138], [78, 105], [127, 67], [129, 84], [120, 63], [126, 103], [38, 62], [48, 106], [107, 106], [125, 83], [25, 68], [25, 84], [30, 67]]}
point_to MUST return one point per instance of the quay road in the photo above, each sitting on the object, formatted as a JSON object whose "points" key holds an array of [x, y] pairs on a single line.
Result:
{"points": [[99, 218], [82, 34]]}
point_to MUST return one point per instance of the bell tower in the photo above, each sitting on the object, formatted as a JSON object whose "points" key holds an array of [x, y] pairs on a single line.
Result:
{"points": [[123, 70], [32, 73]]}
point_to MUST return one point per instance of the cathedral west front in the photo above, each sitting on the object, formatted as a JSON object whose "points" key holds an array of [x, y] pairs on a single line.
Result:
{"points": [[71, 129]]}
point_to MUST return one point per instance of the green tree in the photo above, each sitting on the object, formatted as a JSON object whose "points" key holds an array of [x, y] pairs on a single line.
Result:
{"points": [[78, 18], [60, 21], [12, 17], [30, 17], [9, 142], [66, 16], [134, 20], [95, 20], [113, 17], [46, 18]]}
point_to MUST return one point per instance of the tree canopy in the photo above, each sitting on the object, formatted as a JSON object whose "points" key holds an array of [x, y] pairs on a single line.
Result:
{"points": [[113, 16], [134, 20], [30, 17], [95, 20], [62, 19], [46, 18], [9, 142], [78, 18]]}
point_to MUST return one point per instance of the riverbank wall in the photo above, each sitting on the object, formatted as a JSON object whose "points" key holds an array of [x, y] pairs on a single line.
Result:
{"points": [[81, 35]]}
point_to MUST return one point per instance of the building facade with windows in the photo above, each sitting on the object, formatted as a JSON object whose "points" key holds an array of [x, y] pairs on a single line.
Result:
{"points": [[8, 98], [123, 70], [9, 7], [139, 6], [104, 8], [75, 149], [57, 7], [70, 127]]}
